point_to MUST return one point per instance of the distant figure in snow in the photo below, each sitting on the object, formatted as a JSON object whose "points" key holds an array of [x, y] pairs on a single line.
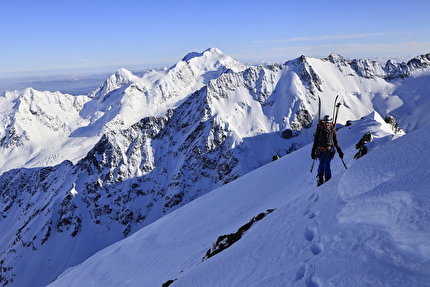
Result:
{"points": [[325, 142]]}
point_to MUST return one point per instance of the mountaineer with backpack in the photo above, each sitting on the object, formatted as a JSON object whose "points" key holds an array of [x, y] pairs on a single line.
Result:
{"points": [[325, 143]]}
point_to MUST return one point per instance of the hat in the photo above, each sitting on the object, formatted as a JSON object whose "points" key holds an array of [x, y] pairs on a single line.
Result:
{"points": [[326, 119]]}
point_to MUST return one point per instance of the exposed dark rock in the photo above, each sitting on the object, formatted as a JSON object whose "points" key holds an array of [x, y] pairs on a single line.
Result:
{"points": [[393, 122], [361, 145], [168, 283], [288, 133], [275, 157], [225, 241]]}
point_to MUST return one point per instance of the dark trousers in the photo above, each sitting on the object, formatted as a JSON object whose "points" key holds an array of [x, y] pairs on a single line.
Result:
{"points": [[324, 167]]}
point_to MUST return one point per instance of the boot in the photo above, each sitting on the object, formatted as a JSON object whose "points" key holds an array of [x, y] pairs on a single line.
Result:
{"points": [[320, 180]]}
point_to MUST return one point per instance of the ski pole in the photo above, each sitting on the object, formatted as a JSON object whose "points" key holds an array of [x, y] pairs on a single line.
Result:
{"points": [[344, 163]]}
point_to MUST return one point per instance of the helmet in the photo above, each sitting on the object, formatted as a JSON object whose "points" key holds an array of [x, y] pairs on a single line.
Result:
{"points": [[326, 119]]}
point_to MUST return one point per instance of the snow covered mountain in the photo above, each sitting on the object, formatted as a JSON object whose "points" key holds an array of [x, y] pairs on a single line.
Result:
{"points": [[45, 128], [99, 167], [368, 226]]}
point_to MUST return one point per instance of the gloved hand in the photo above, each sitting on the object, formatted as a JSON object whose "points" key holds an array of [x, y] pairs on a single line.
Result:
{"points": [[313, 154], [340, 153]]}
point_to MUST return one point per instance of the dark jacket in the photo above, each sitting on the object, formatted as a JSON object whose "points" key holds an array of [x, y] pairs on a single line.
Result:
{"points": [[325, 139]]}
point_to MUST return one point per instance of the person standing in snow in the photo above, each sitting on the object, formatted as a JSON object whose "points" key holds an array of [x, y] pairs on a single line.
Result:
{"points": [[325, 142]]}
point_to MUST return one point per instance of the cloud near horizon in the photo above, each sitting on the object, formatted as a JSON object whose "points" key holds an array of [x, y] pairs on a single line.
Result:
{"points": [[404, 50], [324, 37]]}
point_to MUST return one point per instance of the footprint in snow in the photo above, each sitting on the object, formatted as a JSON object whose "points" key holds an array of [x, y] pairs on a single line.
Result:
{"points": [[316, 248], [316, 198], [312, 282], [300, 273], [309, 234]]}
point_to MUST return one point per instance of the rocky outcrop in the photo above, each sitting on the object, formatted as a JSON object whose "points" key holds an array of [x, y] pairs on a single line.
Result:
{"points": [[225, 241], [361, 145]]}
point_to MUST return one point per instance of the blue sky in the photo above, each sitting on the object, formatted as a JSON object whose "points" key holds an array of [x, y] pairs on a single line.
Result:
{"points": [[82, 35]]}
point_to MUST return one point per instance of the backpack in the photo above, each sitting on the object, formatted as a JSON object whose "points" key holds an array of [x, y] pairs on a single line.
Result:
{"points": [[325, 135]]}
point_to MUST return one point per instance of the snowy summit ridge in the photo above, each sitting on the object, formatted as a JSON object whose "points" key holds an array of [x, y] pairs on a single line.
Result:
{"points": [[115, 81], [83, 172]]}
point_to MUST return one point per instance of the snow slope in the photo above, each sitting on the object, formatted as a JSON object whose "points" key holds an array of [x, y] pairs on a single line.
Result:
{"points": [[368, 226], [169, 137]]}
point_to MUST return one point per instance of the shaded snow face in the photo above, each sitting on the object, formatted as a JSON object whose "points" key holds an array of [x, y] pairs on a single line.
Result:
{"points": [[367, 225]]}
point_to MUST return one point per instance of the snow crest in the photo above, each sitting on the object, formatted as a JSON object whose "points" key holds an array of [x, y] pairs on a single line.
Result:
{"points": [[200, 136]]}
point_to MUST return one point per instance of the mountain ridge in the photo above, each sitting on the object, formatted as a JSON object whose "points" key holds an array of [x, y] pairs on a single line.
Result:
{"points": [[348, 232], [140, 164], [96, 113]]}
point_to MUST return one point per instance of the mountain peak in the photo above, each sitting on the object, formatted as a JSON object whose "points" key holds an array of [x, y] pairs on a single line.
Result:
{"points": [[118, 79], [123, 73], [210, 64], [334, 57], [121, 77], [207, 53]]}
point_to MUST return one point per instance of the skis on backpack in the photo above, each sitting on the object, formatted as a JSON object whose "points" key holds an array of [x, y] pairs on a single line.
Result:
{"points": [[336, 107], [319, 119], [337, 104]]}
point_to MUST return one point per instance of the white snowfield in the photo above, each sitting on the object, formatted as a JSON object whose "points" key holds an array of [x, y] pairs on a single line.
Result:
{"points": [[148, 152], [367, 226], [43, 128]]}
